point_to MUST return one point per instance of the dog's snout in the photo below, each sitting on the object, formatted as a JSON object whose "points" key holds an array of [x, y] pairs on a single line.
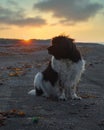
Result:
{"points": [[49, 47]]}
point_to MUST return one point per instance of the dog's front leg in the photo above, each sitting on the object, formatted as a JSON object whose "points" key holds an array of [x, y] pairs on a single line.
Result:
{"points": [[73, 93], [63, 96]]}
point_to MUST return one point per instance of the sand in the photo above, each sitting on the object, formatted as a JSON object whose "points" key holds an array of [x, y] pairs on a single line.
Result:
{"points": [[20, 111]]}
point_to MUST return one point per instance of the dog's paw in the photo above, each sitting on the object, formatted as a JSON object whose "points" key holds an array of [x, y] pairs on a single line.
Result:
{"points": [[62, 98], [75, 97]]}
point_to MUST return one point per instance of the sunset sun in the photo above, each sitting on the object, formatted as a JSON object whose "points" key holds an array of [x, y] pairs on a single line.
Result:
{"points": [[26, 40]]}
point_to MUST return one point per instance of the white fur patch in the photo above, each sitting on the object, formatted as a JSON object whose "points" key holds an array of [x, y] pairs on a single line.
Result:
{"points": [[37, 83], [32, 92], [69, 73]]}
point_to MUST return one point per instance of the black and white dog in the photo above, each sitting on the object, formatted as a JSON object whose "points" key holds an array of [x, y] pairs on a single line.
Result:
{"points": [[63, 72]]}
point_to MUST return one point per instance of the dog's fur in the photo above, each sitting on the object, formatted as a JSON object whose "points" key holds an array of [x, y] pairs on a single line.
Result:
{"points": [[63, 72]]}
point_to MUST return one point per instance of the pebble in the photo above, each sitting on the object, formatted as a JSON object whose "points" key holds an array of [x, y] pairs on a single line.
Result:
{"points": [[35, 119]]}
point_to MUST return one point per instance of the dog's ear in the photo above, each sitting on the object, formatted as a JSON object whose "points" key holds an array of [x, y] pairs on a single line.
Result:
{"points": [[74, 53]]}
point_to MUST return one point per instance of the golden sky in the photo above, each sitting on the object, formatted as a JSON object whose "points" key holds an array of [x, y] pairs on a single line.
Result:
{"points": [[43, 19]]}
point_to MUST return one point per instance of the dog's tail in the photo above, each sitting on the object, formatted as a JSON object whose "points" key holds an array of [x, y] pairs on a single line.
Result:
{"points": [[37, 85]]}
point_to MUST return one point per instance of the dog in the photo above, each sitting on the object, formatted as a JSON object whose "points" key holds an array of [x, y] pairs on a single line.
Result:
{"points": [[63, 72]]}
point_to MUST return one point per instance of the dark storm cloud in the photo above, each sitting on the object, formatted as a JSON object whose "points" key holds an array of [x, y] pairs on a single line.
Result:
{"points": [[69, 11], [18, 17]]}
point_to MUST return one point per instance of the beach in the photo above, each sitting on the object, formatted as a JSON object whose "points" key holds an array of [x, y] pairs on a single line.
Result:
{"points": [[20, 111]]}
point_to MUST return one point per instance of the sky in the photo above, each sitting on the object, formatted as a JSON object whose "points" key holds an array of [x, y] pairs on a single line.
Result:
{"points": [[82, 20]]}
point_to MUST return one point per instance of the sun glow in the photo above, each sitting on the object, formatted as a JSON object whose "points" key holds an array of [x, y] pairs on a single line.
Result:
{"points": [[26, 41]]}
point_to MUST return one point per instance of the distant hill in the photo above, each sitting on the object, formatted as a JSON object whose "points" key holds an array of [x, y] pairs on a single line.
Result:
{"points": [[36, 41], [41, 41]]}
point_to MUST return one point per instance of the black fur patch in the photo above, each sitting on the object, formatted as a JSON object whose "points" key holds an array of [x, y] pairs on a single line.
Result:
{"points": [[63, 47], [39, 92], [50, 75]]}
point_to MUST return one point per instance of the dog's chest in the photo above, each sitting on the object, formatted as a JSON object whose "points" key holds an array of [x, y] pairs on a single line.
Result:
{"points": [[62, 67]]}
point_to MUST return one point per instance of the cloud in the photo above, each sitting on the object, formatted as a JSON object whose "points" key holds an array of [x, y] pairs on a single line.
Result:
{"points": [[13, 3], [5, 28], [18, 17], [69, 11]]}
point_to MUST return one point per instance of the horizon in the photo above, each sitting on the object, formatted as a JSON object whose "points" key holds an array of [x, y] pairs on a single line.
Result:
{"points": [[44, 19], [30, 40]]}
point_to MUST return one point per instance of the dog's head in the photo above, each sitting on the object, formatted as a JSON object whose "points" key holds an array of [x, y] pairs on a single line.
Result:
{"points": [[64, 47]]}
